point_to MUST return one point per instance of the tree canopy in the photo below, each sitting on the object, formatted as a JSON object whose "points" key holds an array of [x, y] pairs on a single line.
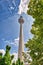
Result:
{"points": [[7, 58], [35, 45]]}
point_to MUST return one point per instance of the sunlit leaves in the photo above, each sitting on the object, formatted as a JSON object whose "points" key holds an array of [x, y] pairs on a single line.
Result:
{"points": [[35, 9], [7, 58]]}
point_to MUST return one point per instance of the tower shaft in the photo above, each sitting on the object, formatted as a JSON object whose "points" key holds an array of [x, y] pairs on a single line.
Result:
{"points": [[21, 43]]}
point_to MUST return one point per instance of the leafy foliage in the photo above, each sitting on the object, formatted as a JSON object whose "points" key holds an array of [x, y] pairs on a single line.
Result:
{"points": [[18, 62], [35, 45], [7, 58]]}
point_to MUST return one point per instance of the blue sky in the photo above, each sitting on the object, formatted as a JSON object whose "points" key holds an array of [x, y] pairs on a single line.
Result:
{"points": [[9, 26]]}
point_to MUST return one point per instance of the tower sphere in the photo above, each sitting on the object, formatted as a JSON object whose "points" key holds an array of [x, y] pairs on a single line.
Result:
{"points": [[21, 20]]}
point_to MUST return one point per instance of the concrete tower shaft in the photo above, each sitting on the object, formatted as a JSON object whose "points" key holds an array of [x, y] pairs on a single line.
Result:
{"points": [[21, 41]]}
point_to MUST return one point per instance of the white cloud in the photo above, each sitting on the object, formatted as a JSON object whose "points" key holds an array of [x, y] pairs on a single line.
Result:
{"points": [[13, 42], [2, 51], [11, 8], [16, 41], [23, 7]]}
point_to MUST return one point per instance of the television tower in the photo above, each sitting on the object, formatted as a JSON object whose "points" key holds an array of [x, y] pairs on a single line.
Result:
{"points": [[21, 40]]}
